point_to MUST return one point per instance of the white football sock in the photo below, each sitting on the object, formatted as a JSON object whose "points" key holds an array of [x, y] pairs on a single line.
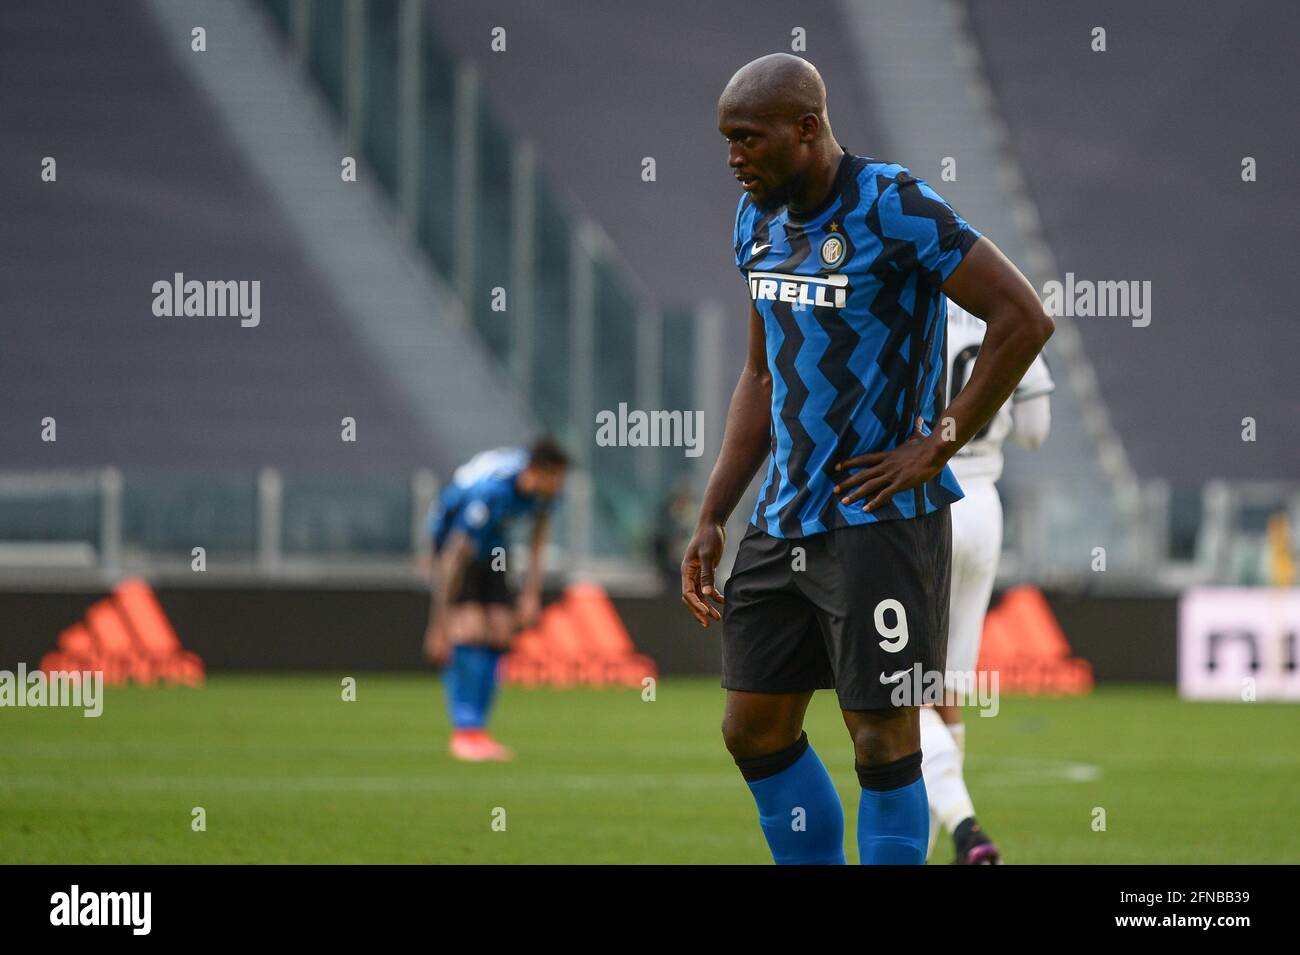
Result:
{"points": [[934, 832], [930, 740], [941, 767]]}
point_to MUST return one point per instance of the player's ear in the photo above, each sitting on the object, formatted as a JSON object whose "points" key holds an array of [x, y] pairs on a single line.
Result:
{"points": [[809, 127]]}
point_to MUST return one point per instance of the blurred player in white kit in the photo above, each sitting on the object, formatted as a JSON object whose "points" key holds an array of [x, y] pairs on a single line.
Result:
{"points": [[976, 547]]}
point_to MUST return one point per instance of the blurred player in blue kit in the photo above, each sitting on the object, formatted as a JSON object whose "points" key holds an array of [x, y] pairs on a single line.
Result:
{"points": [[473, 617]]}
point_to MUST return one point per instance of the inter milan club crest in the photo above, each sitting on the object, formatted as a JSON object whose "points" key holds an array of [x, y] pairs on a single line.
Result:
{"points": [[833, 249]]}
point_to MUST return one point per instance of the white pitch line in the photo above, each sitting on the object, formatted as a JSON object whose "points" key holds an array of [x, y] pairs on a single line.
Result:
{"points": [[1024, 773], [365, 784]]}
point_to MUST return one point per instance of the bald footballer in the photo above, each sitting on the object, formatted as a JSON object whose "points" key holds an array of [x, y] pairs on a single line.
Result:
{"points": [[842, 578]]}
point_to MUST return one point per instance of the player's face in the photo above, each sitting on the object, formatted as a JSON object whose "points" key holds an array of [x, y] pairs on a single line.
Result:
{"points": [[761, 154], [548, 482]]}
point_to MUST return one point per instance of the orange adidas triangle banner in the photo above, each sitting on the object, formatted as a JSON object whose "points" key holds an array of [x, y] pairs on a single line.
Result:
{"points": [[1023, 642], [128, 637], [579, 641]]}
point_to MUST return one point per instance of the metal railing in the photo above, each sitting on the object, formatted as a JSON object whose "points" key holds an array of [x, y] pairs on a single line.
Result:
{"points": [[544, 291], [272, 525]]}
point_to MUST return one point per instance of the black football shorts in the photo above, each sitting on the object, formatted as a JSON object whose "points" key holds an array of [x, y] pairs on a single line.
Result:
{"points": [[849, 609], [481, 584]]}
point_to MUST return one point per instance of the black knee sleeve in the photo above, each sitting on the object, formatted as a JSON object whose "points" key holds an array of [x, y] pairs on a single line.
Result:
{"points": [[899, 773], [754, 768]]}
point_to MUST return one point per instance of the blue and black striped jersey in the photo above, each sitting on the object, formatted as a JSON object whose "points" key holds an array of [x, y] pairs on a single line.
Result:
{"points": [[482, 499], [850, 298]]}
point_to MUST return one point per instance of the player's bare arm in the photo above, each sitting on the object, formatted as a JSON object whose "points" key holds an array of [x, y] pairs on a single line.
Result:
{"points": [[990, 287], [455, 558], [530, 598], [745, 443]]}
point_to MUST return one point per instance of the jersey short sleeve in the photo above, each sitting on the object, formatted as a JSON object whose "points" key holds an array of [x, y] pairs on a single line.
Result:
{"points": [[479, 517], [741, 230], [911, 211]]}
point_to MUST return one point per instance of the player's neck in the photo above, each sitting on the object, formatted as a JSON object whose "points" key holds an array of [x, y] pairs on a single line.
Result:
{"points": [[819, 182]]}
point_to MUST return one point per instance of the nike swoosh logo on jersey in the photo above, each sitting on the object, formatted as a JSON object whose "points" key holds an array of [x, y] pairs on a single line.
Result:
{"points": [[894, 677], [760, 249]]}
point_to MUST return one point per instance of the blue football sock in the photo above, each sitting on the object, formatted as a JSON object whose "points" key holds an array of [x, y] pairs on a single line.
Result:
{"points": [[893, 814], [466, 685], [488, 682], [798, 807]]}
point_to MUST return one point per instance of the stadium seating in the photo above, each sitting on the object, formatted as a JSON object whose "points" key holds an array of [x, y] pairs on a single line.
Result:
{"points": [[148, 184], [1142, 179]]}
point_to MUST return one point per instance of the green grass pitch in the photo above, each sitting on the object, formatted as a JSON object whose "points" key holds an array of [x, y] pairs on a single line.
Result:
{"points": [[286, 771]]}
